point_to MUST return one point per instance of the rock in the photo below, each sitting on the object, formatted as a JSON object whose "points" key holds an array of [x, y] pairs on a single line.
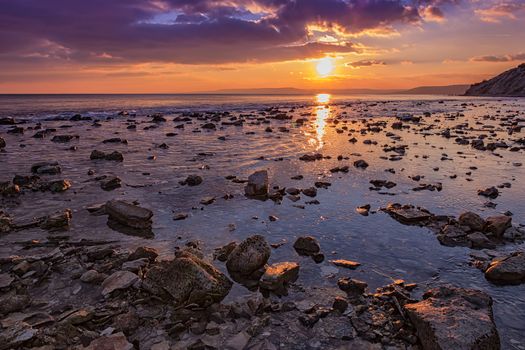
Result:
{"points": [[277, 277], [497, 225], [238, 341], [192, 180], [480, 241], [491, 192], [346, 263], [99, 155], [454, 318], [207, 200], [93, 276], [11, 302], [5, 280], [59, 186], [407, 214], [115, 341], [472, 220], [257, 184], [135, 265], [5, 222], [340, 304], [144, 253], [118, 280], [453, 235], [307, 245], [224, 252], [63, 138], [310, 192], [248, 257], [129, 215], [188, 279], [57, 221], [49, 168], [361, 164], [2, 143], [352, 287], [110, 183], [507, 270]]}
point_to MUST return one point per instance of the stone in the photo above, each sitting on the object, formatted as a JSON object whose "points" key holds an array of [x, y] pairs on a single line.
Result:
{"points": [[188, 279], [480, 241], [257, 185], [472, 220], [310, 192], [491, 192], [135, 265], [110, 183], [497, 225], [307, 245], [507, 270], [59, 186], [224, 252], [407, 214], [5, 222], [113, 156], [5, 280], [453, 235], [454, 318], [115, 341], [144, 253], [361, 164], [340, 304], [192, 180], [2, 143], [129, 215], [118, 280], [352, 287], [238, 341], [48, 168], [93, 276], [249, 256], [277, 277], [57, 221], [346, 263]]}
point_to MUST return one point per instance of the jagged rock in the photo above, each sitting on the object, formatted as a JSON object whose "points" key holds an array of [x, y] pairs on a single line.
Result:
{"points": [[56, 221], [307, 245], [472, 220], [278, 276], [497, 225], [118, 280], [129, 215], [249, 256], [507, 270], [115, 341], [188, 279], [454, 318], [257, 184]]}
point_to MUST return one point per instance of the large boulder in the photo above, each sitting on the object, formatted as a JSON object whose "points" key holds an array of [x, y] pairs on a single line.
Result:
{"points": [[454, 318], [188, 279], [507, 270], [257, 184], [249, 256], [472, 220], [129, 215]]}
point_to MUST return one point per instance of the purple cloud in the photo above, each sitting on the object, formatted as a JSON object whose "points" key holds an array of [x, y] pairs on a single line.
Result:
{"points": [[193, 31]]}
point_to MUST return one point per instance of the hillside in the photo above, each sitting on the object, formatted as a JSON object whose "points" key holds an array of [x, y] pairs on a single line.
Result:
{"points": [[509, 83]]}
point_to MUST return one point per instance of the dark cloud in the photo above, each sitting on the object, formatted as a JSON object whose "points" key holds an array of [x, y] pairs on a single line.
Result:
{"points": [[499, 58], [192, 31], [366, 63]]}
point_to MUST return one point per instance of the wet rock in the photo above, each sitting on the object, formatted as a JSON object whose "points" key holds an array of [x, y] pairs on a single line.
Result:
{"points": [[346, 263], [277, 277], [453, 235], [48, 168], [507, 270], [63, 138], [340, 304], [116, 341], [129, 215], [110, 183], [2, 143], [454, 318], [472, 220], [118, 280], [59, 186], [57, 221], [188, 279], [180, 216], [497, 225], [407, 213], [113, 156], [353, 288], [491, 192], [361, 164], [307, 245], [224, 252], [249, 256], [257, 184], [363, 210], [310, 192], [311, 157], [144, 253], [192, 180], [479, 240]]}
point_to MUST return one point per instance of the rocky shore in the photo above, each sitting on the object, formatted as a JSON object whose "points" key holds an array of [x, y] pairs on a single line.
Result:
{"points": [[264, 229]]}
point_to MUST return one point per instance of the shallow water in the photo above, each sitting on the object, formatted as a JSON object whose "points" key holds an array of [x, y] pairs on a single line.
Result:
{"points": [[386, 249]]}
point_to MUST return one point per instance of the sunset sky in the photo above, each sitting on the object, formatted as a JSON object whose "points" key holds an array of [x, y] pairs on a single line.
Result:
{"points": [[154, 46]]}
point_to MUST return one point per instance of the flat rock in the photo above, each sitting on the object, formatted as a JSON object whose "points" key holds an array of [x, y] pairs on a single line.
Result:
{"points": [[454, 318], [129, 214], [346, 263], [118, 280]]}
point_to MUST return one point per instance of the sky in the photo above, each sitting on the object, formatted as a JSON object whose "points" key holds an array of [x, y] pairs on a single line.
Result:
{"points": [[171, 46]]}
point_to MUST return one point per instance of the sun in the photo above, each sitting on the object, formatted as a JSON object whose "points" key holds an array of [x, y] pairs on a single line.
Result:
{"points": [[324, 67]]}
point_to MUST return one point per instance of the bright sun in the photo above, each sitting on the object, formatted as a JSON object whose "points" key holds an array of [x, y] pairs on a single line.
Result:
{"points": [[324, 67]]}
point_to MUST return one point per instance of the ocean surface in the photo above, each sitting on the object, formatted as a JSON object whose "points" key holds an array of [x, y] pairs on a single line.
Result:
{"points": [[386, 249]]}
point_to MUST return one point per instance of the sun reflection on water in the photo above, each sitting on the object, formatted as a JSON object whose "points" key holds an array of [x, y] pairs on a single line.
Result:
{"points": [[322, 113]]}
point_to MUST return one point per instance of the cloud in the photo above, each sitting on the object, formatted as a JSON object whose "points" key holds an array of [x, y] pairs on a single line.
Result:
{"points": [[499, 58], [495, 12], [365, 63], [198, 31]]}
